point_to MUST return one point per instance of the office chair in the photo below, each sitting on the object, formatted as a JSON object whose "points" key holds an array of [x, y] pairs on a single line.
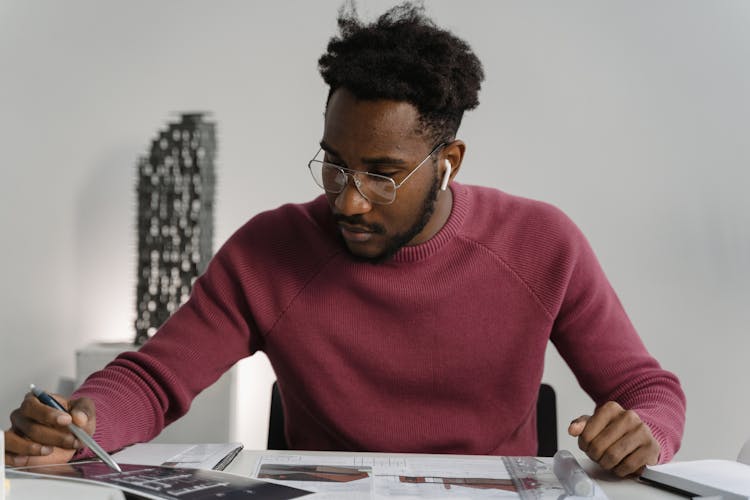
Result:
{"points": [[546, 421], [276, 438]]}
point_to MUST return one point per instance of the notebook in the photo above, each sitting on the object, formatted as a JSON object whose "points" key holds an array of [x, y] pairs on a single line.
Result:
{"points": [[725, 478]]}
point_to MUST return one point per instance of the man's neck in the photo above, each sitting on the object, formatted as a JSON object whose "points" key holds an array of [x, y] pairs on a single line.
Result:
{"points": [[443, 207]]}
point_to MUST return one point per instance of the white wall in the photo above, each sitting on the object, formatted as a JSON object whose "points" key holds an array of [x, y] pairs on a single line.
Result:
{"points": [[632, 116]]}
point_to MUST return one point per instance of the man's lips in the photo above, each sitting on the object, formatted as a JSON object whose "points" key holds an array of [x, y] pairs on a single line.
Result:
{"points": [[356, 234]]}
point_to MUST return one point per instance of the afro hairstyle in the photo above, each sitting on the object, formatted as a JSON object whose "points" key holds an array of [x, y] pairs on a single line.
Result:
{"points": [[404, 56]]}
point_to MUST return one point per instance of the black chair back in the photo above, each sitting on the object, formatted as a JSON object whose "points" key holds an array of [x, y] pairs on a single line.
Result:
{"points": [[546, 421]]}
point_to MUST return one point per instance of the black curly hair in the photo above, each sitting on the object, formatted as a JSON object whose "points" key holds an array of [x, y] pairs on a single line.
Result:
{"points": [[404, 56]]}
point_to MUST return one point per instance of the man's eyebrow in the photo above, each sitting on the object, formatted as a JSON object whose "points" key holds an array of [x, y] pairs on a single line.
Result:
{"points": [[328, 148], [377, 160]]}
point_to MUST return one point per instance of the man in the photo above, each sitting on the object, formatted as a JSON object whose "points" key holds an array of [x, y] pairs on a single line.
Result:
{"points": [[401, 311]]}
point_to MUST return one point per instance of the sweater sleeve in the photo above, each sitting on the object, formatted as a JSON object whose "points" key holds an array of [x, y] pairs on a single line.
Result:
{"points": [[594, 335], [141, 392]]}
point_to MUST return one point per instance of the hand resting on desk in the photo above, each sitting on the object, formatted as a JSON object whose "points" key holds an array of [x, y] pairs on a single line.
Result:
{"points": [[617, 439], [39, 434]]}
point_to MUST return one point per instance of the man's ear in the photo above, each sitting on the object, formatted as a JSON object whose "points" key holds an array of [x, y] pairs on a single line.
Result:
{"points": [[453, 154]]}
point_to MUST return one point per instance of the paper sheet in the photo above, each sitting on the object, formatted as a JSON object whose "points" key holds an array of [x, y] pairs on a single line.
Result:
{"points": [[391, 477], [412, 476], [198, 456]]}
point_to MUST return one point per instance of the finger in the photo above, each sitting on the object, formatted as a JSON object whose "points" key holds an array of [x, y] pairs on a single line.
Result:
{"points": [[58, 456], [23, 447], [48, 435], [596, 424], [621, 436], [16, 460], [83, 412], [634, 463], [34, 409], [620, 449], [645, 454], [576, 426]]}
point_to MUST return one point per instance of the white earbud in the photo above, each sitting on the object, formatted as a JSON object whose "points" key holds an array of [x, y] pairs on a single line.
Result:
{"points": [[446, 175]]}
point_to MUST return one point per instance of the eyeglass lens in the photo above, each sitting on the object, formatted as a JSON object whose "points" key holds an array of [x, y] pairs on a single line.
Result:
{"points": [[334, 179]]}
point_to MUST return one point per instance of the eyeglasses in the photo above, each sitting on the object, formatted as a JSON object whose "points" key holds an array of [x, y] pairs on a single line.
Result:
{"points": [[375, 188]]}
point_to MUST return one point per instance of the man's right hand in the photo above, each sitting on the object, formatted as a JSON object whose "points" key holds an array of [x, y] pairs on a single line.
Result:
{"points": [[40, 435]]}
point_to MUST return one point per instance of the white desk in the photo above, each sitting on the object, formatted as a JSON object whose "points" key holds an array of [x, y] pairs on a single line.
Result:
{"points": [[244, 465], [615, 488], [35, 489]]}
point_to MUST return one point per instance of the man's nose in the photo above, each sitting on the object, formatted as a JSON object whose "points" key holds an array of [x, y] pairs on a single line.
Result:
{"points": [[350, 201]]}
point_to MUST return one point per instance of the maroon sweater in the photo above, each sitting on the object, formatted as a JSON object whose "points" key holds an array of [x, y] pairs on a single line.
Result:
{"points": [[438, 350]]}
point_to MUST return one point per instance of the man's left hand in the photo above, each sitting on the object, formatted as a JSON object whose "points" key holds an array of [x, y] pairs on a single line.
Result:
{"points": [[616, 439]]}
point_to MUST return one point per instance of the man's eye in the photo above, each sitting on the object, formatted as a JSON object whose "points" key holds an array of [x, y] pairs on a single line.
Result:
{"points": [[332, 161], [383, 173]]}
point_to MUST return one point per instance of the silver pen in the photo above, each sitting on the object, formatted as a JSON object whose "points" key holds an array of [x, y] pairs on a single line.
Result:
{"points": [[77, 431]]}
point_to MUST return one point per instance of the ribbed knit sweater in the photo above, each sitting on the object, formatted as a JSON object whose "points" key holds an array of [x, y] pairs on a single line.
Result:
{"points": [[438, 350]]}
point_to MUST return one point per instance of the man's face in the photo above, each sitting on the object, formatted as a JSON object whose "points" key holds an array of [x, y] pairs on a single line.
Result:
{"points": [[380, 137]]}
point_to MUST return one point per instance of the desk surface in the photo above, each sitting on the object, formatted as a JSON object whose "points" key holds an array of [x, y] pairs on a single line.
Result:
{"points": [[615, 488], [244, 464], [27, 488]]}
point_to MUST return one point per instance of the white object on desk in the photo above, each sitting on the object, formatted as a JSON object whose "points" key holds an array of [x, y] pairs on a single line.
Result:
{"points": [[571, 475], [211, 416], [615, 488], [373, 475], [725, 478]]}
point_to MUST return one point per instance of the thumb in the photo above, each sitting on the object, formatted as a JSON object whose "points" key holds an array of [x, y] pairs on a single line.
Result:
{"points": [[576, 426], [84, 414]]}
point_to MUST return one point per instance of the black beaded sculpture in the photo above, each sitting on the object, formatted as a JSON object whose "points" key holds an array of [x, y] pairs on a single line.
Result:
{"points": [[175, 219]]}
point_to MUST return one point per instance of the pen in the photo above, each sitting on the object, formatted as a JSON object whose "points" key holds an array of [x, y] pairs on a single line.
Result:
{"points": [[77, 431]]}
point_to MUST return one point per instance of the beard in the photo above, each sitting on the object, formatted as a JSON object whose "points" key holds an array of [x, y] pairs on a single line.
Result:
{"points": [[399, 240]]}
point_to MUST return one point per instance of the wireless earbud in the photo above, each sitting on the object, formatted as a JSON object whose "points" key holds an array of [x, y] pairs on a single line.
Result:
{"points": [[446, 175]]}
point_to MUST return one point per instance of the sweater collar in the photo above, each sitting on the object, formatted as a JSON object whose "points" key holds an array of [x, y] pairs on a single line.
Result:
{"points": [[411, 253]]}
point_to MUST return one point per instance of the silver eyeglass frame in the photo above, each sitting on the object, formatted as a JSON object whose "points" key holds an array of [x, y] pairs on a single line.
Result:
{"points": [[356, 174]]}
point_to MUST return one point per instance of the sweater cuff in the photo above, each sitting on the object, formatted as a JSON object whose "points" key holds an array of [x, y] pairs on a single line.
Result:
{"points": [[666, 447]]}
